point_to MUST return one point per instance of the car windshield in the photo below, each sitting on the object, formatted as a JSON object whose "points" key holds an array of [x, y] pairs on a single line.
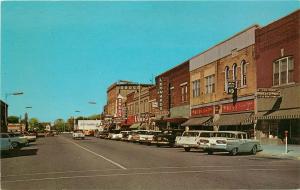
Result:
{"points": [[78, 131], [190, 134]]}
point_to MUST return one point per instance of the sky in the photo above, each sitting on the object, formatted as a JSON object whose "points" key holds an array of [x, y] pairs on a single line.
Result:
{"points": [[64, 54]]}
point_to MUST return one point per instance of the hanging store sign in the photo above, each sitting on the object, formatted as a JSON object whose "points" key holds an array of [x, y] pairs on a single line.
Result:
{"points": [[160, 93], [267, 93]]}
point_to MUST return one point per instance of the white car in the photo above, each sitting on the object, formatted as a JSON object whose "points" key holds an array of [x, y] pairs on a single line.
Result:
{"points": [[115, 135], [5, 142], [233, 142], [18, 140], [147, 138], [78, 134], [31, 137], [189, 139]]}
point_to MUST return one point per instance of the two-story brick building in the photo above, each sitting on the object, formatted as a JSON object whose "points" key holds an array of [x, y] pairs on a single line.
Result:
{"points": [[223, 84], [277, 51], [173, 100]]}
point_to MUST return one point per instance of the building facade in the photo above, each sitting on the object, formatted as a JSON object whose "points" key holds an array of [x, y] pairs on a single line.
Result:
{"points": [[172, 98], [223, 84], [278, 79]]}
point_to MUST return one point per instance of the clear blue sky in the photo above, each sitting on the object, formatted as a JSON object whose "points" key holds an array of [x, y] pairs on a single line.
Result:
{"points": [[64, 54]]}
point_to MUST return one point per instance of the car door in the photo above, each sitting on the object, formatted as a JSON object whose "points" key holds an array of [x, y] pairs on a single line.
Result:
{"points": [[243, 143], [5, 142]]}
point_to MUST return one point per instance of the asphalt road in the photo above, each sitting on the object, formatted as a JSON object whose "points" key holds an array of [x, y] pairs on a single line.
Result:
{"points": [[63, 163]]}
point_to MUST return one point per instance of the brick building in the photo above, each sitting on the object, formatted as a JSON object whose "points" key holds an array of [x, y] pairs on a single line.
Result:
{"points": [[172, 98], [116, 98], [277, 53], [223, 84]]}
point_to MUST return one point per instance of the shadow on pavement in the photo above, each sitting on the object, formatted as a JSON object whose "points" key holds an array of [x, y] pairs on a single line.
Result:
{"points": [[19, 153]]}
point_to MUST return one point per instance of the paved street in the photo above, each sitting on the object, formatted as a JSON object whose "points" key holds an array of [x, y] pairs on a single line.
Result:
{"points": [[63, 163]]}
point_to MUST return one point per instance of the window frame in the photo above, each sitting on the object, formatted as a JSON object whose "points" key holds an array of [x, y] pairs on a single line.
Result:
{"points": [[289, 61]]}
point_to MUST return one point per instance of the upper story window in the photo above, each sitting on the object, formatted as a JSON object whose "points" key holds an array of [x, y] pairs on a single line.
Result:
{"points": [[184, 93], [283, 71], [234, 72], [196, 88], [210, 84], [226, 78], [243, 73]]}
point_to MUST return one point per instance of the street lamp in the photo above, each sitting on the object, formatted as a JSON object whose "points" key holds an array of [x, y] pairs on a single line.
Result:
{"points": [[76, 111], [6, 96], [26, 118]]}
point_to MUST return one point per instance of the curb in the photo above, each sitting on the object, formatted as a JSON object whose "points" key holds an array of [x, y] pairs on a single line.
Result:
{"points": [[278, 156]]}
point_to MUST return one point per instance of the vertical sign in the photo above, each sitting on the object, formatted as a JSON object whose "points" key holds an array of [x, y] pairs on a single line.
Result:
{"points": [[160, 94]]}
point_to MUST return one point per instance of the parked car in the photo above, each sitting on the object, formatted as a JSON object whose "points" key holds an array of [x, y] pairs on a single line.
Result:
{"points": [[115, 135], [136, 135], [31, 137], [78, 134], [18, 140], [148, 137], [166, 138], [103, 134], [188, 140], [125, 135], [5, 142], [233, 142]]}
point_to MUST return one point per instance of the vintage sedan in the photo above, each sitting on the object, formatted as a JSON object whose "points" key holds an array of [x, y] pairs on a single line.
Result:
{"points": [[233, 142], [166, 138], [189, 139], [78, 134]]}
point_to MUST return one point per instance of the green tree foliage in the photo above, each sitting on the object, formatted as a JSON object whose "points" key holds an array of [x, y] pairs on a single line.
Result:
{"points": [[34, 124], [60, 125], [13, 119]]}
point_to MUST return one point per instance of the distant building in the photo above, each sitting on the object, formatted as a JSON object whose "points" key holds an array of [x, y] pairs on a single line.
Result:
{"points": [[15, 127]]}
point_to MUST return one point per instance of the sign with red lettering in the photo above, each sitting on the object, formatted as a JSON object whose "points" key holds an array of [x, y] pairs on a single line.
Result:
{"points": [[247, 105], [204, 111]]}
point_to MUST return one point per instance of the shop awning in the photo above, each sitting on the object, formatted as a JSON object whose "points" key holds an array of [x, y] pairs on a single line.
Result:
{"points": [[198, 121], [234, 119], [279, 114], [135, 126]]}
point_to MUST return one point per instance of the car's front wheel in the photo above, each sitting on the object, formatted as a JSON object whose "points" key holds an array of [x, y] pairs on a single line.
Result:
{"points": [[210, 152], [187, 149], [254, 150], [234, 151], [15, 145]]}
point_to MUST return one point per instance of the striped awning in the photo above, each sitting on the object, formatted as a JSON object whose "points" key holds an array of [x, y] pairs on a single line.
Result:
{"points": [[279, 114], [198, 121], [235, 119], [135, 126]]}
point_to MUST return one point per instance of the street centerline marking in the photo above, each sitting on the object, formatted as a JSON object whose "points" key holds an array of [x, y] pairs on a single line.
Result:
{"points": [[114, 163]]}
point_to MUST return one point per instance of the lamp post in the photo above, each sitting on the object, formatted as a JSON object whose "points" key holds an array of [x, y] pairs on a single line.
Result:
{"points": [[76, 111], [26, 118], [5, 109]]}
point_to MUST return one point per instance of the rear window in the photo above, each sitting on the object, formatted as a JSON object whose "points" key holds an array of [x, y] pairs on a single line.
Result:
{"points": [[3, 135], [142, 132], [190, 134]]}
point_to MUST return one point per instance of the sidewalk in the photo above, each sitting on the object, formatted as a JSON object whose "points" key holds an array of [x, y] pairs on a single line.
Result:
{"points": [[278, 151]]}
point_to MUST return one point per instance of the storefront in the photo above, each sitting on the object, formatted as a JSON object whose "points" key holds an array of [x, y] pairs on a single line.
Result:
{"points": [[201, 119]]}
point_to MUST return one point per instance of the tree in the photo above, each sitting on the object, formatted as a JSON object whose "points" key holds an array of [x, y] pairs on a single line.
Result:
{"points": [[13, 119], [60, 125], [34, 124]]}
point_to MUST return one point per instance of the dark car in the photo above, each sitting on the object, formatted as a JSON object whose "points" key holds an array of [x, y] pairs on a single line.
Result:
{"points": [[102, 134], [167, 137]]}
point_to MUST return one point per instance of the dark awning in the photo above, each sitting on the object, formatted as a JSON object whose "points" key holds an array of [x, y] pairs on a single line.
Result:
{"points": [[175, 119], [197, 121], [234, 119], [279, 114]]}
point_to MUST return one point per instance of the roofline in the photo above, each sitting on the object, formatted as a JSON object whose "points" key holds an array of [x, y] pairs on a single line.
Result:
{"points": [[293, 12], [129, 84], [236, 34], [176, 66]]}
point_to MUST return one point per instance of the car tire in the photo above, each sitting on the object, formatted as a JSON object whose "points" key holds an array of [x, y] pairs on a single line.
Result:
{"points": [[15, 145], [187, 149], [158, 145], [234, 151], [210, 152], [254, 150]]}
